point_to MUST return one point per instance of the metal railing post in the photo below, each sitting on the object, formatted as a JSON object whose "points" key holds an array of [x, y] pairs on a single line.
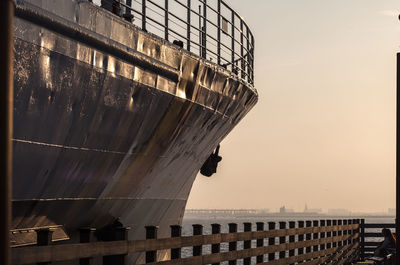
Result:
{"points": [[205, 29], [233, 42], [241, 51], [166, 12], [128, 11], [397, 160], [249, 67], [144, 15], [200, 34], [219, 32], [252, 59], [189, 11], [6, 119]]}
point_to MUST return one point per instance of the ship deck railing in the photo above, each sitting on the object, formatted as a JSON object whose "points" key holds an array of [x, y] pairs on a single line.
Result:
{"points": [[344, 241], [211, 29]]}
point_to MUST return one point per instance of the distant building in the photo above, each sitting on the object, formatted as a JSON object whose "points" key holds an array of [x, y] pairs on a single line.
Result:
{"points": [[283, 209], [312, 210], [339, 212]]}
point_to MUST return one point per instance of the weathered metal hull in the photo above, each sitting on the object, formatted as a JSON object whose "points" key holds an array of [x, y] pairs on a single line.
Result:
{"points": [[97, 137]]}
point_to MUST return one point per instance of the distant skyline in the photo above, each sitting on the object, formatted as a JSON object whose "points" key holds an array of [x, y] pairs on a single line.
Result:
{"points": [[323, 131]]}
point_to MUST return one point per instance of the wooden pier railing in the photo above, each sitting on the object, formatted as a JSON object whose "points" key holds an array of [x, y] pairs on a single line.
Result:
{"points": [[309, 242]]}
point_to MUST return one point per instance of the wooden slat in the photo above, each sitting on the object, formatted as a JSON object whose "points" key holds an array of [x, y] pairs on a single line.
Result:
{"points": [[375, 225], [372, 244], [343, 254], [373, 235]]}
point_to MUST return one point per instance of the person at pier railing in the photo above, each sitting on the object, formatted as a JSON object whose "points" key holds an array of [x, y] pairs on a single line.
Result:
{"points": [[388, 245]]}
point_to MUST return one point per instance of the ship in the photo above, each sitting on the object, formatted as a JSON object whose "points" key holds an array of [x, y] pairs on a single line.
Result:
{"points": [[113, 120]]}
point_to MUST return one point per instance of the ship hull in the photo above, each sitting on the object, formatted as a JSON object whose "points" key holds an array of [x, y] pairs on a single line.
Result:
{"points": [[98, 137]]}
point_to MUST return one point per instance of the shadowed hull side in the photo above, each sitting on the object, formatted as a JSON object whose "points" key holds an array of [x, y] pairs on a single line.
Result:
{"points": [[97, 138]]}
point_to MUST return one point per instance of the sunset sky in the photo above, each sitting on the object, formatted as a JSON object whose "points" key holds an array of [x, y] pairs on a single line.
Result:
{"points": [[323, 131]]}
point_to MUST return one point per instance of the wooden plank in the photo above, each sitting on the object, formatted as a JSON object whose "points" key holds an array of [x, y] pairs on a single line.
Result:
{"points": [[373, 235], [341, 257], [375, 225], [372, 244], [345, 257]]}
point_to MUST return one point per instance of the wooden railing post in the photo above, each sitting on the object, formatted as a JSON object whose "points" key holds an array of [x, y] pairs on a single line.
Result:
{"points": [[334, 232], [308, 236], [322, 234], [176, 231], [86, 236], [197, 230], [260, 242], [329, 234], [271, 240], [357, 239], [315, 236], [282, 240], [247, 243], [345, 232], [151, 233], [116, 234], [292, 224], [44, 238], [300, 250], [215, 248], [340, 233], [349, 232], [232, 245], [362, 237]]}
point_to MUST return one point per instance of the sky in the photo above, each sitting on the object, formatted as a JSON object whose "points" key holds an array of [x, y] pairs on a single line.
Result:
{"points": [[323, 130]]}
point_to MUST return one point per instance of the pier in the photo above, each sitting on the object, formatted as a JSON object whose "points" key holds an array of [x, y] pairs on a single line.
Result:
{"points": [[343, 241], [231, 46]]}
